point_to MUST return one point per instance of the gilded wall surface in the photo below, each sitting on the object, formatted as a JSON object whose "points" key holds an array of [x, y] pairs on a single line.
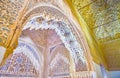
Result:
{"points": [[103, 20]]}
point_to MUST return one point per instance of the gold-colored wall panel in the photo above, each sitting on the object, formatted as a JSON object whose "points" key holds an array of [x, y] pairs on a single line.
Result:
{"points": [[112, 54], [99, 12], [93, 44], [103, 20], [82, 3], [108, 32], [99, 15]]}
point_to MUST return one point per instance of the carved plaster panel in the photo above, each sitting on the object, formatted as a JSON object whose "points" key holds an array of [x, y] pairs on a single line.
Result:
{"points": [[112, 54], [48, 12], [18, 65], [34, 3], [31, 52], [9, 11]]}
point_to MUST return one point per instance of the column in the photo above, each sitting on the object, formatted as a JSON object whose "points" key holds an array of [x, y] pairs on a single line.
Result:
{"points": [[46, 57]]}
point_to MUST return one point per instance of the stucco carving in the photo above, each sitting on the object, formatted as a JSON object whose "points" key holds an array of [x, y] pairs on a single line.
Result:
{"points": [[9, 12], [18, 65], [31, 52], [65, 34]]}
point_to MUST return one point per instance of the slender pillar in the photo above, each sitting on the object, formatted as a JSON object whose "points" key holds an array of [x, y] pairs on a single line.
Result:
{"points": [[2, 52], [46, 58], [46, 62]]}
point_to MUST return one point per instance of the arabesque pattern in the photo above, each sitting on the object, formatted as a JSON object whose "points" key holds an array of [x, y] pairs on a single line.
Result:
{"points": [[18, 65], [9, 10]]}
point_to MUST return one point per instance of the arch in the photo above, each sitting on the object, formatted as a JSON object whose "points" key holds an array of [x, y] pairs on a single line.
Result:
{"points": [[61, 23], [66, 36]]}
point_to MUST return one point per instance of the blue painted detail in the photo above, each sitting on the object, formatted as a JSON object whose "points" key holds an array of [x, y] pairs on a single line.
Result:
{"points": [[32, 50], [16, 69], [4, 67], [19, 60]]}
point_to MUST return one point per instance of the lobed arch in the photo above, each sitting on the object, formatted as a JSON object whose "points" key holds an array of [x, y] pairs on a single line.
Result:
{"points": [[56, 15]]}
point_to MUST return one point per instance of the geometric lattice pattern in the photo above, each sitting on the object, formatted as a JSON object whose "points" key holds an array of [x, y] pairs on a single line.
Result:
{"points": [[18, 65]]}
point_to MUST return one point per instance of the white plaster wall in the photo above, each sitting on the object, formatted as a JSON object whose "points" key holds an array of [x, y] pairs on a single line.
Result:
{"points": [[2, 52], [98, 70]]}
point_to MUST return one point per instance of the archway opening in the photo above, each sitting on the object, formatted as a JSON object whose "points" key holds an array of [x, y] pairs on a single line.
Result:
{"points": [[66, 32]]}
